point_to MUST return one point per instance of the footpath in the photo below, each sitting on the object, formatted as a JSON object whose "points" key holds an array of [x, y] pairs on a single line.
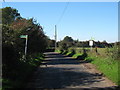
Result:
{"points": [[62, 72]]}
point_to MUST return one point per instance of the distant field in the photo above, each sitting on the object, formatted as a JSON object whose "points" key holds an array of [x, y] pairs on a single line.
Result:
{"points": [[100, 51]]}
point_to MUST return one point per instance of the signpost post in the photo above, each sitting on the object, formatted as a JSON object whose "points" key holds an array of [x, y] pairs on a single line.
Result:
{"points": [[25, 37]]}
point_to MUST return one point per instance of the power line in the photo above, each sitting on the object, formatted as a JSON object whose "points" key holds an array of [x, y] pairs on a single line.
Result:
{"points": [[63, 13], [67, 3]]}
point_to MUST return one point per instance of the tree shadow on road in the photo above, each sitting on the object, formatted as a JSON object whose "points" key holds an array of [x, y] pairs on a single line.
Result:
{"points": [[57, 78], [53, 59], [56, 75]]}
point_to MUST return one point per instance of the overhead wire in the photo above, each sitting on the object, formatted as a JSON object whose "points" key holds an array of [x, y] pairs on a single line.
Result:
{"points": [[60, 18], [64, 10]]}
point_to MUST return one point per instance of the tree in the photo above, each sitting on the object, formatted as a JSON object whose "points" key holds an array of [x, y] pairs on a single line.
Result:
{"points": [[63, 46], [9, 15], [37, 40], [13, 46], [13, 26], [68, 39], [51, 43]]}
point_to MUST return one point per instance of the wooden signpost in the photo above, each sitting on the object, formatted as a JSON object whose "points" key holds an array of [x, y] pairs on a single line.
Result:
{"points": [[25, 37]]}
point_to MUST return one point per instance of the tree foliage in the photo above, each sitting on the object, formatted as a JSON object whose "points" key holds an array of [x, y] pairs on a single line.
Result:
{"points": [[69, 42], [21, 26], [51, 43], [9, 15], [68, 39], [13, 46]]}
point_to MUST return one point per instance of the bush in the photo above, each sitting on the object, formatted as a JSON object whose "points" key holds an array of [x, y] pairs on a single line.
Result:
{"points": [[9, 61], [82, 57], [21, 73], [72, 52], [113, 52], [65, 52]]}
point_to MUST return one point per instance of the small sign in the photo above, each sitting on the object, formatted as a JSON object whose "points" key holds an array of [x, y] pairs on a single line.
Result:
{"points": [[91, 43], [24, 36]]}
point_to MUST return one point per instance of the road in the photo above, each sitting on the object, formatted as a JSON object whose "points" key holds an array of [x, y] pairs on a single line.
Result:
{"points": [[61, 72]]}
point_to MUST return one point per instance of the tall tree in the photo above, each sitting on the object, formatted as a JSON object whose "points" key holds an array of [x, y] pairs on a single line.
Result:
{"points": [[68, 39], [9, 15]]}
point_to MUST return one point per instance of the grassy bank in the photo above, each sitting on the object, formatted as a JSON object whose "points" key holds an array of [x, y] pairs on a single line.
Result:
{"points": [[107, 66], [104, 59], [18, 76]]}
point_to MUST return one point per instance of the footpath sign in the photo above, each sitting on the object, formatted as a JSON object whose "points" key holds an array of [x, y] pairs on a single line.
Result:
{"points": [[25, 37], [91, 43]]}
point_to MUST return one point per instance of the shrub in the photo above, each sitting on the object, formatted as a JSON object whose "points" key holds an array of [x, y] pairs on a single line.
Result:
{"points": [[65, 52], [72, 52]]}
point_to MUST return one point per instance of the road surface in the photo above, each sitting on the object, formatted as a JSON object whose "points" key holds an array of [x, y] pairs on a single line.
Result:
{"points": [[62, 72]]}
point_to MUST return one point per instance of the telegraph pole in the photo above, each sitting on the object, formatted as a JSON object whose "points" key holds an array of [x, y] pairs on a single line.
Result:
{"points": [[55, 37]]}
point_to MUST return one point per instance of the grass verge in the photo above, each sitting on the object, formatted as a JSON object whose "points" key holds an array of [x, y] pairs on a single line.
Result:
{"points": [[107, 66]]}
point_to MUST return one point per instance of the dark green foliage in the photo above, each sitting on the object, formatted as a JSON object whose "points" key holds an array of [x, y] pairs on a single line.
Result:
{"points": [[10, 60], [63, 46], [66, 43], [36, 41], [82, 57], [16, 68], [51, 43], [113, 52], [68, 39], [76, 43], [18, 76], [9, 15], [72, 53], [61, 51], [65, 52]]}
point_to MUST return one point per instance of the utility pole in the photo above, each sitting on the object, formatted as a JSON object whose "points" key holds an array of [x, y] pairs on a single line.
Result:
{"points": [[55, 37]]}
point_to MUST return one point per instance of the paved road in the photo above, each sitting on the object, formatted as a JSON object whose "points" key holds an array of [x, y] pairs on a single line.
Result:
{"points": [[60, 72]]}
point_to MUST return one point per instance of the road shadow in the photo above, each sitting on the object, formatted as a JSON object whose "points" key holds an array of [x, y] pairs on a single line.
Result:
{"points": [[54, 74], [56, 59], [59, 78]]}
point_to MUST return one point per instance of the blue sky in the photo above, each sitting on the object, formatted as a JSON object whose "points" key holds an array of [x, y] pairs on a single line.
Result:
{"points": [[81, 20]]}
